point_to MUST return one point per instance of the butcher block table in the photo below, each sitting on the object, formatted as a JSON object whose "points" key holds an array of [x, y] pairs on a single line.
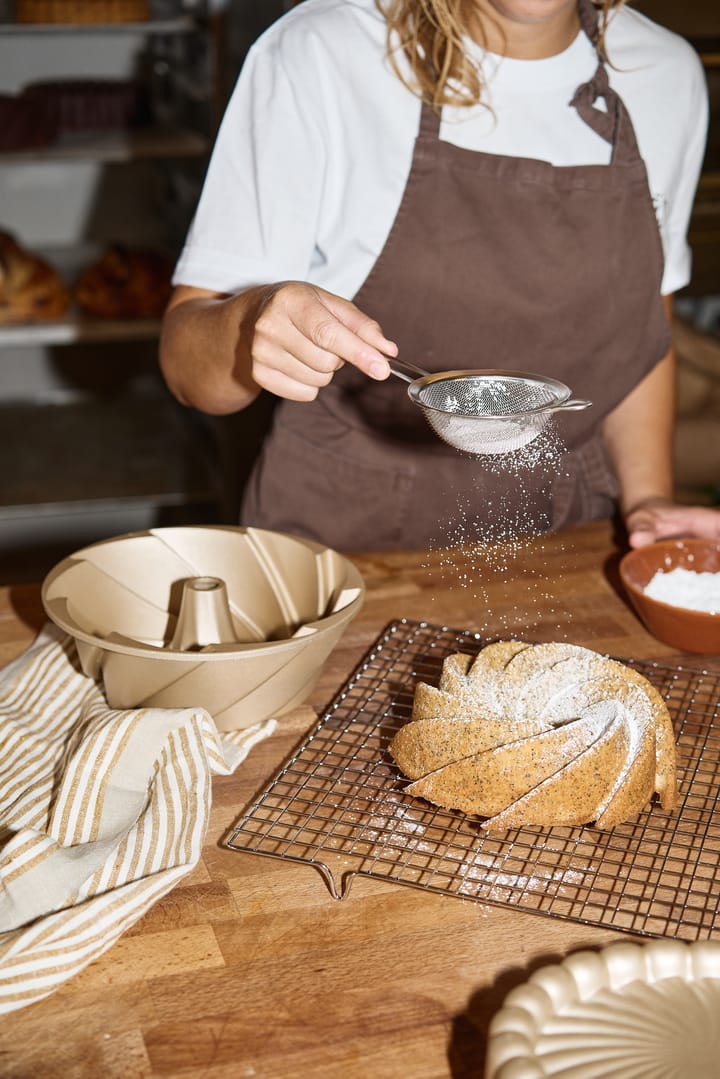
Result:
{"points": [[250, 967]]}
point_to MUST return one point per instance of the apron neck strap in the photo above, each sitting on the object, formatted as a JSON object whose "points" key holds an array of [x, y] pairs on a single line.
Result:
{"points": [[612, 123], [590, 24], [429, 121]]}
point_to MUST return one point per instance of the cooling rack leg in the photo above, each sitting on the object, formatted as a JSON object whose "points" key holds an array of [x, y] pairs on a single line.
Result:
{"points": [[325, 872], [345, 881], [329, 880]]}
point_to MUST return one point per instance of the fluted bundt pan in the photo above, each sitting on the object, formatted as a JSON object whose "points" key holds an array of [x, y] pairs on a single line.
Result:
{"points": [[237, 621]]}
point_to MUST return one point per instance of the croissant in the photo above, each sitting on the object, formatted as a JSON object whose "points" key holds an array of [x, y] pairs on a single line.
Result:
{"points": [[31, 289], [125, 283]]}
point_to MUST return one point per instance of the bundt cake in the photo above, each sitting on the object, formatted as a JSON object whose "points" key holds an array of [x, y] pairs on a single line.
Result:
{"points": [[544, 734]]}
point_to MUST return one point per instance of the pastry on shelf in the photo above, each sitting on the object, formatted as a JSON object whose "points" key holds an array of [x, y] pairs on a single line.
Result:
{"points": [[81, 11], [125, 282], [31, 290]]}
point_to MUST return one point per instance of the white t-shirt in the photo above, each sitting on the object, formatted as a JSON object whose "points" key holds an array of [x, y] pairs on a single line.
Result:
{"points": [[314, 151]]}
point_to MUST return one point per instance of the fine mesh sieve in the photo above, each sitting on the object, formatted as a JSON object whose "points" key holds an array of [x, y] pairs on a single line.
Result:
{"points": [[486, 412]]}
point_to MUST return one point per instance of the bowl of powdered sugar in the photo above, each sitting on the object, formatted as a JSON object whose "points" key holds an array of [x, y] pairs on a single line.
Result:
{"points": [[674, 586]]}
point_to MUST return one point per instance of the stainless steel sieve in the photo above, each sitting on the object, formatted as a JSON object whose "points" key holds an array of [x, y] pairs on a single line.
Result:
{"points": [[486, 412]]}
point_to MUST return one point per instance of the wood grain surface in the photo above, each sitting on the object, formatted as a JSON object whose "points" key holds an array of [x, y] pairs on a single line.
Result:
{"points": [[249, 967]]}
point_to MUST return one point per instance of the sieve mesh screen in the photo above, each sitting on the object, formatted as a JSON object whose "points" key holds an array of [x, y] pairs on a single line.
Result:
{"points": [[488, 395]]}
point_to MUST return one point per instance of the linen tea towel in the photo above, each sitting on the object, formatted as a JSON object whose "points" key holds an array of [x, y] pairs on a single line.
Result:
{"points": [[102, 812]]}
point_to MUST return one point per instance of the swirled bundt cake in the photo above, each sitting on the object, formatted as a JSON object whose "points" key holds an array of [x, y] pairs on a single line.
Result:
{"points": [[545, 734]]}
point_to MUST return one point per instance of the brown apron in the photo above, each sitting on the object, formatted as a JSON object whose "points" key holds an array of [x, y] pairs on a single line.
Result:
{"points": [[491, 262]]}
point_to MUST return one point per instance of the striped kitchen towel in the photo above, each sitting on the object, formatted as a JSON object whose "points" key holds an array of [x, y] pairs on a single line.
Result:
{"points": [[101, 813]]}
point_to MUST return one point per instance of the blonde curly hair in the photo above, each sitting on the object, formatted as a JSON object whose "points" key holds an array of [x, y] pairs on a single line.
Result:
{"points": [[429, 34]]}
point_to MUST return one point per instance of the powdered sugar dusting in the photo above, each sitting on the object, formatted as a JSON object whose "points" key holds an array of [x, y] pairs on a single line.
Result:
{"points": [[481, 549]]}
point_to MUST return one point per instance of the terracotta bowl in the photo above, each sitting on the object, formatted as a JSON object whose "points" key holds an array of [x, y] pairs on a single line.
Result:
{"points": [[680, 627], [236, 621]]}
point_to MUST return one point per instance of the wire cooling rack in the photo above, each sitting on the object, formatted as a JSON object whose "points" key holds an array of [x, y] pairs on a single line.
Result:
{"points": [[339, 805]]}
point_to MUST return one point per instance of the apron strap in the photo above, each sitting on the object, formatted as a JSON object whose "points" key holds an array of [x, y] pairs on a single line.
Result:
{"points": [[429, 122], [590, 24], [612, 123]]}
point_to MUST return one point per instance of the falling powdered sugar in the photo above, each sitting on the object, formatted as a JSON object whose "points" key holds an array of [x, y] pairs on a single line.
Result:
{"points": [[504, 511], [696, 591]]}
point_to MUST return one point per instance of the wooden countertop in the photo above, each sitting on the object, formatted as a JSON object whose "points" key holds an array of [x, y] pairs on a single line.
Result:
{"points": [[249, 967]]}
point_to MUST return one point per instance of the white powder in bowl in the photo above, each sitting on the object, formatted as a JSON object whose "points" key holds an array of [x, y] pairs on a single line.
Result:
{"points": [[686, 588]]}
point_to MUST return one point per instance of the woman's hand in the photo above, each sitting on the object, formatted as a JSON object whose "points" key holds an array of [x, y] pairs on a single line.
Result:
{"points": [[299, 335], [218, 350], [659, 519]]}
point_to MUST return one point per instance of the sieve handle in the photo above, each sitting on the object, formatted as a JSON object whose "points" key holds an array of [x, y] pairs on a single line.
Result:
{"points": [[574, 405], [406, 371]]}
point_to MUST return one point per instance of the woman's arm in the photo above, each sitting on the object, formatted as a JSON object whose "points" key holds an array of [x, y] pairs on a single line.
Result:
{"points": [[639, 436], [217, 351]]}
